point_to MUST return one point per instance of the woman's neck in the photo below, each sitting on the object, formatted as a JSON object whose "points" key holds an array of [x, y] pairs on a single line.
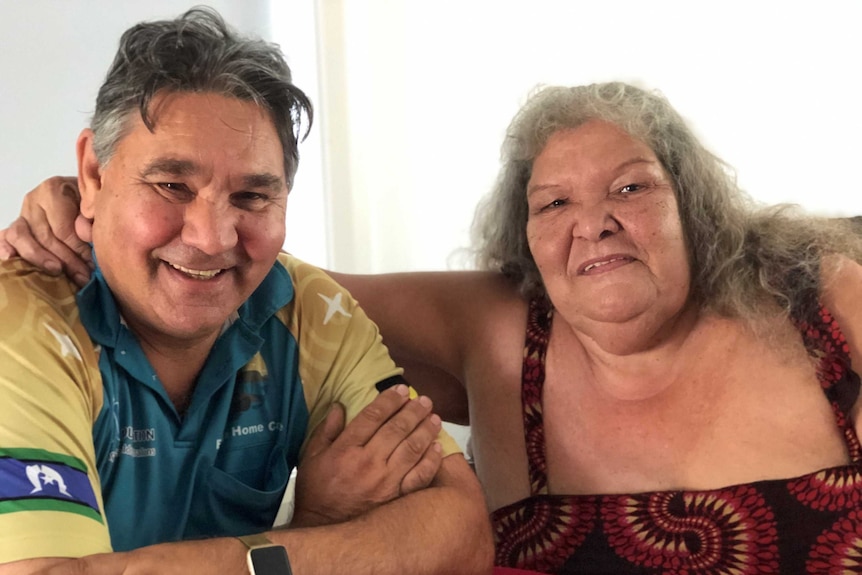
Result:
{"points": [[633, 363]]}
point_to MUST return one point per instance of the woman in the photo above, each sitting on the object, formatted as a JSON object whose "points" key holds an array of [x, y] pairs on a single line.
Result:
{"points": [[659, 376]]}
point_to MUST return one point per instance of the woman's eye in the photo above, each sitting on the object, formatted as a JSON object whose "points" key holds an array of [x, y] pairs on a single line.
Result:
{"points": [[555, 204], [630, 188]]}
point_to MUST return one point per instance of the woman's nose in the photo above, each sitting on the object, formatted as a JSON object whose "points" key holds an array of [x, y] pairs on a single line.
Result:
{"points": [[595, 222]]}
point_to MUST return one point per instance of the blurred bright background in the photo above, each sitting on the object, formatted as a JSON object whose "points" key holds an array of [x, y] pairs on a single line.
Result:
{"points": [[413, 96]]}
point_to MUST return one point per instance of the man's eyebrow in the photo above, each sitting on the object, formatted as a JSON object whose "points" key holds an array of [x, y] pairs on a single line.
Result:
{"points": [[264, 180], [169, 166], [176, 167]]}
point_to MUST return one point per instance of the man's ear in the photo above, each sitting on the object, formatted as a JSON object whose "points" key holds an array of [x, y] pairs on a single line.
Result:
{"points": [[89, 173]]}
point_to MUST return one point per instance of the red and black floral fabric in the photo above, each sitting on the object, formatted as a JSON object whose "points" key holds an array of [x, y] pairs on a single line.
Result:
{"points": [[808, 524]]}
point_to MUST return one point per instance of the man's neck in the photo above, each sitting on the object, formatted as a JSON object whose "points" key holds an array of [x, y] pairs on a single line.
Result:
{"points": [[177, 365]]}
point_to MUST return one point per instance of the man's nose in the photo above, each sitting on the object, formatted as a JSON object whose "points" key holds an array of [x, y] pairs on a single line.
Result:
{"points": [[209, 226]]}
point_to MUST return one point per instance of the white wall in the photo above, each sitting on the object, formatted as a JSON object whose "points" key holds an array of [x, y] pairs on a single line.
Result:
{"points": [[413, 97], [425, 89]]}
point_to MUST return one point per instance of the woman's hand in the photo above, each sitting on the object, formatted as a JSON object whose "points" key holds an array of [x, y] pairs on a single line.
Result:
{"points": [[50, 232]]}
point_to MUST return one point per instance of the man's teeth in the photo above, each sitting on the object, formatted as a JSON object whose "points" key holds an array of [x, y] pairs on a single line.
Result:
{"points": [[198, 274], [598, 264]]}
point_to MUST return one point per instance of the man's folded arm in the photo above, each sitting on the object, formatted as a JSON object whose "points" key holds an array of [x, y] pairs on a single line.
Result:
{"points": [[443, 529]]}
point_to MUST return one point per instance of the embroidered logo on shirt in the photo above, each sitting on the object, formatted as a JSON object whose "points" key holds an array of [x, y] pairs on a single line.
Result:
{"points": [[249, 413], [43, 475], [250, 389], [38, 480]]}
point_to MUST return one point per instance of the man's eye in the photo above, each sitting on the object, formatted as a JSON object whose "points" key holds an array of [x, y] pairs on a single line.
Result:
{"points": [[249, 199], [174, 189], [172, 186]]}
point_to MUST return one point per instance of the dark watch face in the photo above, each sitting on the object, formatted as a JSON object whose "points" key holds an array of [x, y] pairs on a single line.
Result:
{"points": [[270, 561]]}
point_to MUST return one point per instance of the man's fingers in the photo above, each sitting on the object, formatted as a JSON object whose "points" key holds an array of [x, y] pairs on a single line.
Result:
{"points": [[414, 446], [401, 426], [374, 415], [423, 473], [327, 432]]}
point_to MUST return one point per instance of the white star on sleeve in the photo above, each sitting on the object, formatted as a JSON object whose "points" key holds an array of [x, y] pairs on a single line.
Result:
{"points": [[66, 345], [333, 306]]}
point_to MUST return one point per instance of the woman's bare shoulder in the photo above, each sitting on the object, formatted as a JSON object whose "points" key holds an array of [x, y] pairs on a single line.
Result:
{"points": [[842, 287]]}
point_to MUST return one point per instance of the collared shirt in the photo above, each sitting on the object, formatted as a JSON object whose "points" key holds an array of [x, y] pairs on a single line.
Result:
{"points": [[94, 456]]}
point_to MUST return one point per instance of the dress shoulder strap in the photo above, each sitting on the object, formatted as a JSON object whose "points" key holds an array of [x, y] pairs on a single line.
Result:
{"points": [[827, 345], [539, 318]]}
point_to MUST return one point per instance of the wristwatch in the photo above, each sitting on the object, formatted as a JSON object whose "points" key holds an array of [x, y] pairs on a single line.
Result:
{"points": [[265, 557]]}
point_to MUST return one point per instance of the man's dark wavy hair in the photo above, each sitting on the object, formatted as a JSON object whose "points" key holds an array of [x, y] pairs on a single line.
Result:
{"points": [[197, 52]]}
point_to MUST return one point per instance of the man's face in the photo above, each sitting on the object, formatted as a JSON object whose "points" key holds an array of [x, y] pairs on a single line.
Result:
{"points": [[188, 219]]}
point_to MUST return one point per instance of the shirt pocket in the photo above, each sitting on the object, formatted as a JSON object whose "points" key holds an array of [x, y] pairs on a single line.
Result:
{"points": [[241, 500]]}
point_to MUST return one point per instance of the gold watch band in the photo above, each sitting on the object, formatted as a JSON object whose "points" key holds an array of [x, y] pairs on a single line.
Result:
{"points": [[256, 540], [265, 557]]}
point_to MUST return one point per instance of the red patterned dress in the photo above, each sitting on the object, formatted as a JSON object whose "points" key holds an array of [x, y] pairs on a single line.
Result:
{"points": [[808, 524]]}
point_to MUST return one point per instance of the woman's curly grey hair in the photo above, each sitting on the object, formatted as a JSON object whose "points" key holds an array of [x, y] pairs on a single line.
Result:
{"points": [[744, 259], [197, 52]]}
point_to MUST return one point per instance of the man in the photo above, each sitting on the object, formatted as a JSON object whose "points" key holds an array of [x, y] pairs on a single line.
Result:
{"points": [[158, 412]]}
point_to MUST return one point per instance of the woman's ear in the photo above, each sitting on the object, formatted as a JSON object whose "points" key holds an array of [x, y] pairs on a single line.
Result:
{"points": [[89, 173]]}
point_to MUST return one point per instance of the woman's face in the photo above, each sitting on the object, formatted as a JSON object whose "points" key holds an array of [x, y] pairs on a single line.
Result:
{"points": [[604, 228]]}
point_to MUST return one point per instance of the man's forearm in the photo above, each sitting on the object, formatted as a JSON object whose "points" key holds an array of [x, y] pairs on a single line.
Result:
{"points": [[223, 555], [443, 529]]}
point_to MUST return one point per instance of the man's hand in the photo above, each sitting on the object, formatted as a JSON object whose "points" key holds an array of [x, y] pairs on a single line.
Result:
{"points": [[50, 232], [387, 451]]}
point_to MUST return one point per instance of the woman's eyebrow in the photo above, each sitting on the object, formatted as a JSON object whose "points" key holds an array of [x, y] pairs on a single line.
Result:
{"points": [[635, 160]]}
